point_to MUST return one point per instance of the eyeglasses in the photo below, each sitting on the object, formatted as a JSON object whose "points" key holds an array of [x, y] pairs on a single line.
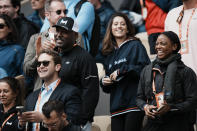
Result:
{"points": [[58, 12], [44, 63], [5, 7], [2, 26]]}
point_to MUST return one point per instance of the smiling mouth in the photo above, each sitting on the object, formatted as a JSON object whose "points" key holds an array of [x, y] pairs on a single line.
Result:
{"points": [[3, 99], [43, 71]]}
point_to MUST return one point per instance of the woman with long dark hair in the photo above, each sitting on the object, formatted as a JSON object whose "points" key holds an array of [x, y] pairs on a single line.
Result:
{"points": [[11, 53], [125, 57]]}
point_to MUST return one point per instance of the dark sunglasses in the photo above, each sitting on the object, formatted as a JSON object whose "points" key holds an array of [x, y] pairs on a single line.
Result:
{"points": [[44, 63], [2, 26], [58, 12]]}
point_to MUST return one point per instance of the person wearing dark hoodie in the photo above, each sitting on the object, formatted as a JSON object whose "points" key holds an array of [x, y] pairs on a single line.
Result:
{"points": [[125, 57]]}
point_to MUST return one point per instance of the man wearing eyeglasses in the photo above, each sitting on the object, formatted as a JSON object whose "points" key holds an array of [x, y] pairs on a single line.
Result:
{"points": [[55, 119], [48, 67], [85, 20], [25, 27]]}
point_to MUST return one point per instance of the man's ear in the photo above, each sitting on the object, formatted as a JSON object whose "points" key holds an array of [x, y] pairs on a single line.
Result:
{"points": [[58, 67]]}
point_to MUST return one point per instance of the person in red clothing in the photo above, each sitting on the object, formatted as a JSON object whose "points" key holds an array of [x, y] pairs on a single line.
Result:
{"points": [[156, 14]]}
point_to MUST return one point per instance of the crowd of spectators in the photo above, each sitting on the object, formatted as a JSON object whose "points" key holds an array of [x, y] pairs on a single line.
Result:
{"points": [[60, 88]]}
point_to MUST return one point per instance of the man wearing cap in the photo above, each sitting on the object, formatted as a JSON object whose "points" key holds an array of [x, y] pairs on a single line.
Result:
{"points": [[85, 19], [78, 68]]}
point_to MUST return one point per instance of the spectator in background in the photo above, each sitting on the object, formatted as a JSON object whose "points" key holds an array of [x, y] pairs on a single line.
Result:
{"points": [[55, 119], [11, 53], [54, 10], [11, 95], [156, 14], [125, 58], [78, 68], [2, 73], [25, 28], [84, 19], [131, 5], [38, 15], [183, 21], [104, 10], [132, 9], [167, 89], [53, 88]]}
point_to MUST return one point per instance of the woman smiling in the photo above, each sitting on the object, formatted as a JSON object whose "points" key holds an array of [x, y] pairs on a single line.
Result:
{"points": [[125, 58], [167, 90], [10, 97], [11, 54]]}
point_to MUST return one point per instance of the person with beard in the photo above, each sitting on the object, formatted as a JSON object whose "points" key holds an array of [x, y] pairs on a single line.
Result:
{"points": [[167, 89], [78, 68]]}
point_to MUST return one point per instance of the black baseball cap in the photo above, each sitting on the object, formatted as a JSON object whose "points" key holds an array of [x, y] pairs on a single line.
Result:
{"points": [[67, 23]]}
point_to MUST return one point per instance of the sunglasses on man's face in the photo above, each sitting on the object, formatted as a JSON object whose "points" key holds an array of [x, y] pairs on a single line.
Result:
{"points": [[44, 63], [2, 25], [58, 12]]}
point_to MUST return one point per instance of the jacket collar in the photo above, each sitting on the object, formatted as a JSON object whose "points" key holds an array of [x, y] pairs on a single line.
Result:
{"points": [[5, 42]]}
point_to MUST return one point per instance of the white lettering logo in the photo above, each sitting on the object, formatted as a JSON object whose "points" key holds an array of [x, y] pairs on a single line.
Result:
{"points": [[120, 61], [64, 22], [9, 123]]}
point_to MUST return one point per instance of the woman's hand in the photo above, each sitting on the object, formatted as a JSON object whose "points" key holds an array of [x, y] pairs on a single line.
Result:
{"points": [[114, 75], [107, 81], [150, 110]]}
